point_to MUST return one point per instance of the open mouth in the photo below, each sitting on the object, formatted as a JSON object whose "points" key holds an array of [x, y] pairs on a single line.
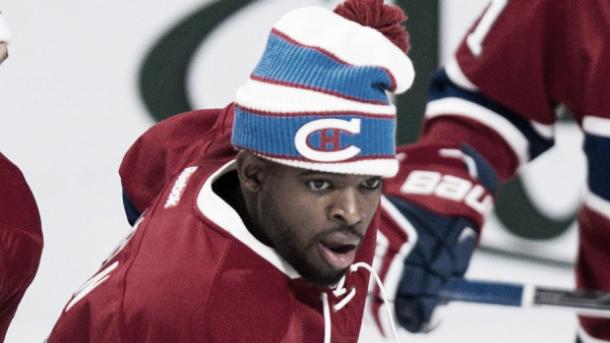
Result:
{"points": [[339, 250]]}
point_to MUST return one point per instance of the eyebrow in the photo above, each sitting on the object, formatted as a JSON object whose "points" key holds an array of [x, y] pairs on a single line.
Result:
{"points": [[307, 172]]}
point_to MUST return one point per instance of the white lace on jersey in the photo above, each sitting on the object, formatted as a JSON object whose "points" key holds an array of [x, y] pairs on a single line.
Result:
{"points": [[341, 290]]}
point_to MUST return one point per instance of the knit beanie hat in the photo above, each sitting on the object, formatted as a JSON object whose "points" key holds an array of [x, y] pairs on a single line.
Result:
{"points": [[319, 97]]}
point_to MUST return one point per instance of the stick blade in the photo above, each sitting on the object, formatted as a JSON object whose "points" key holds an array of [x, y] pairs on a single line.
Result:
{"points": [[585, 302]]}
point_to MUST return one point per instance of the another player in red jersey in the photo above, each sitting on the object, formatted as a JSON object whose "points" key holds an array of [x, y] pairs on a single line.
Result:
{"points": [[258, 222], [20, 233], [20, 240], [493, 106]]}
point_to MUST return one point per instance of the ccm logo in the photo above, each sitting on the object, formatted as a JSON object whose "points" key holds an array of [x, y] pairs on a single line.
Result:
{"points": [[330, 132], [448, 187]]}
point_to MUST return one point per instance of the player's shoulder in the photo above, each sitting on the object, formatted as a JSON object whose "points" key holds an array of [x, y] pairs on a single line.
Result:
{"points": [[169, 146], [18, 209], [11, 177]]}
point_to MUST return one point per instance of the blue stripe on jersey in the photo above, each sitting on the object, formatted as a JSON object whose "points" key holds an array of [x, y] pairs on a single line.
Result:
{"points": [[443, 87], [279, 134], [485, 172], [286, 62], [597, 149], [130, 209]]}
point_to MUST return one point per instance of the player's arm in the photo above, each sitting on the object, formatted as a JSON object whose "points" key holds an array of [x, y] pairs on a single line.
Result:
{"points": [[490, 111], [499, 92]]}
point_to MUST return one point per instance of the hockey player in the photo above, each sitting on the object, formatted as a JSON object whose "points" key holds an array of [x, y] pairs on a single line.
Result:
{"points": [[493, 105], [258, 222], [20, 233]]}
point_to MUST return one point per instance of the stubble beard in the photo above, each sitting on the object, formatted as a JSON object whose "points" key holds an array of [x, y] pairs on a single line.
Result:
{"points": [[285, 243]]}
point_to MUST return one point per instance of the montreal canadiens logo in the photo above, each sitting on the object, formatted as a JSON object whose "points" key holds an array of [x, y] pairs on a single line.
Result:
{"points": [[328, 145]]}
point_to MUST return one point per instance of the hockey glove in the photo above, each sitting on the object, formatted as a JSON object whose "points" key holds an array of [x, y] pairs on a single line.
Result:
{"points": [[445, 195]]}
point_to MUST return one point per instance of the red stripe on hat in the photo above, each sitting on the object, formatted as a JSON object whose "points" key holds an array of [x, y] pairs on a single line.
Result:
{"points": [[310, 113], [315, 89]]}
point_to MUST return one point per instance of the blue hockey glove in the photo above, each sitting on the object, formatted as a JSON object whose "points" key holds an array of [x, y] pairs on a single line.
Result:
{"points": [[445, 195], [442, 251]]}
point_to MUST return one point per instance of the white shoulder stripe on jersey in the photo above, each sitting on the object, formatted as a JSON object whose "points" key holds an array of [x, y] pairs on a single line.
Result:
{"points": [[596, 126], [222, 214], [455, 74], [265, 96], [597, 204], [586, 338], [464, 108]]}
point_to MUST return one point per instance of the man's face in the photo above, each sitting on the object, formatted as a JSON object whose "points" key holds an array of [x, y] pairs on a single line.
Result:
{"points": [[3, 51], [316, 220]]}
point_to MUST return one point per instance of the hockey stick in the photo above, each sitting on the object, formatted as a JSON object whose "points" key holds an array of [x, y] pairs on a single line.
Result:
{"points": [[584, 302]]}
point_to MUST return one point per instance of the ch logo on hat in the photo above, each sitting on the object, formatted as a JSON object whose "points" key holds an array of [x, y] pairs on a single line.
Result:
{"points": [[330, 133]]}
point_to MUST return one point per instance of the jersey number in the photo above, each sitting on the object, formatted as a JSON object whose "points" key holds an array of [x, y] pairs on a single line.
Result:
{"points": [[91, 284], [103, 274], [475, 39]]}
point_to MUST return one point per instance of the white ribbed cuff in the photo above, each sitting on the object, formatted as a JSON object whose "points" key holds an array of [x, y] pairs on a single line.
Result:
{"points": [[373, 167]]}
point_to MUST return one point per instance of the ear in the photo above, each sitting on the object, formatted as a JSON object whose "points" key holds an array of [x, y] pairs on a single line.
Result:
{"points": [[251, 171]]}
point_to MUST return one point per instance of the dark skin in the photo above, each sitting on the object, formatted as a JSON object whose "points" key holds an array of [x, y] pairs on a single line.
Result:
{"points": [[306, 215]]}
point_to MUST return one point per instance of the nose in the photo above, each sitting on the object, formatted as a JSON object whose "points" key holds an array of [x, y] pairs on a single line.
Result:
{"points": [[346, 208]]}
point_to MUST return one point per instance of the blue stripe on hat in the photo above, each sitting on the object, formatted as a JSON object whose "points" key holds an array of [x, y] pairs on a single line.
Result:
{"points": [[293, 64], [274, 135]]}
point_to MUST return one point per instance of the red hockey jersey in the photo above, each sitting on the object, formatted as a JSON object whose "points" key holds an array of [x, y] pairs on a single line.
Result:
{"points": [[20, 240], [191, 271], [499, 93]]}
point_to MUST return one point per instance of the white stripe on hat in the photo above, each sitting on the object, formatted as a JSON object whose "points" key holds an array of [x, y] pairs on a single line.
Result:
{"points": [[263, 96], [381, 167], [351, 42]]}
